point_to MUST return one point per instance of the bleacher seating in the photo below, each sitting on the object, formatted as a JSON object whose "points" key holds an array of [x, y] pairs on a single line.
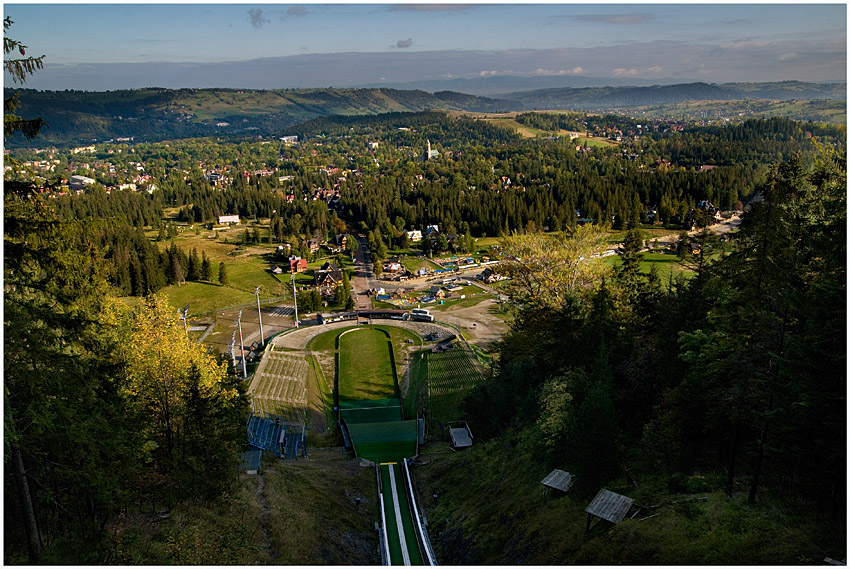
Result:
{"points": [[266, 433]]}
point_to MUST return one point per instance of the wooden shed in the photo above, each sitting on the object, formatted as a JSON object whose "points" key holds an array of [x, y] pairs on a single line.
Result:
{"points": [[557, 480], [608, 506]]}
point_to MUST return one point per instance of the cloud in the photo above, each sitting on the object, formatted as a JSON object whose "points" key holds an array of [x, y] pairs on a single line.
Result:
{"points": [[295, 11], [404, 43], [623, 72], [256, 18], [654, 69], [548, 72], [789, 56], [612, 18], [430, 7]]}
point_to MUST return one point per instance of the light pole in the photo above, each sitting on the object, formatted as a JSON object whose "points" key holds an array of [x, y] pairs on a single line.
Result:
{"points": [[242, 346], [232, 353], [294, 298], [260, 314], [183, 318]]}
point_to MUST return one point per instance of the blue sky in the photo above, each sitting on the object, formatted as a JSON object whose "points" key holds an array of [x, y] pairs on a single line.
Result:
{"points": [[710, 42]]}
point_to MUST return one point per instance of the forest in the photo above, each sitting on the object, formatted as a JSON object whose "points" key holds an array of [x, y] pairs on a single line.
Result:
{"points": [[732, 379]]}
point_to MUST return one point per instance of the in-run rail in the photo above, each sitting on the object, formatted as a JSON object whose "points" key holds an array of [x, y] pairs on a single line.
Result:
{"points": [[403, 535]]}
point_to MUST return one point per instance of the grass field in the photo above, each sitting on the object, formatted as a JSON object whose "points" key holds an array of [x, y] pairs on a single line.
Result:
{"points": [[668, 264], [365, 367]]}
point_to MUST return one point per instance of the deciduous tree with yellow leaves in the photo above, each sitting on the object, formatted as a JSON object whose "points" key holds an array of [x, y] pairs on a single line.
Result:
{"points": [[187, 403]]}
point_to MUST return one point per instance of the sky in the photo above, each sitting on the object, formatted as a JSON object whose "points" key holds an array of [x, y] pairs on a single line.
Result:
{"points": [[113, 46]]}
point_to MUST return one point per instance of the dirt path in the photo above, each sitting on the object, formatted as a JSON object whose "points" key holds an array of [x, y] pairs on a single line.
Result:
{"points": [[264, 503]]}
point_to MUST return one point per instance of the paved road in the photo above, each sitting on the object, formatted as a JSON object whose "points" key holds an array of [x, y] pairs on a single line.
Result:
{"points": [[362, 280]]}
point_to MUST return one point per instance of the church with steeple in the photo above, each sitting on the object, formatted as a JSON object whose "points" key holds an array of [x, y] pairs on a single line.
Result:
{"points": [[430, 154]]}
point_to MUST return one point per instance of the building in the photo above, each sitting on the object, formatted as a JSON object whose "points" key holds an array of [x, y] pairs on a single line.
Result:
{"points": [[327, 277], [290, 139], [297, 264], [222, 219], [80, 182], [430, 154], [437, 292], [414, 235]]}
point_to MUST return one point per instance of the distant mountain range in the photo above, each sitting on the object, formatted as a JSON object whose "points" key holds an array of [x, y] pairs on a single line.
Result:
{"points": [[496, 85], [600, 98], [155, 114]]}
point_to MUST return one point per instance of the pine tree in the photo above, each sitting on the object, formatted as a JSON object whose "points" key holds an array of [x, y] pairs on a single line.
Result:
{"points": [[193, 272], [206, 268], [222, 273]]}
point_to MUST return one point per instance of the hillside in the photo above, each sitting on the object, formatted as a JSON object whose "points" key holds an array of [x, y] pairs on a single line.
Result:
{"points": [[76, 117], [597, 98]]}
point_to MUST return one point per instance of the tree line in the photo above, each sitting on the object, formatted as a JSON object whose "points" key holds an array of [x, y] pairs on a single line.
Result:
{"points": [[740, 370], [107, 407]]}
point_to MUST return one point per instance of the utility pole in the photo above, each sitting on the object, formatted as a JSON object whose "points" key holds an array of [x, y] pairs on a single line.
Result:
{"points": [[294, 298], [242, 347], [260, 314]]}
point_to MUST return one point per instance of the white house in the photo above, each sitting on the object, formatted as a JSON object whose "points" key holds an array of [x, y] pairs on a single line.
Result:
{"points": [[80, 182], [414, 235], [222, 219]]}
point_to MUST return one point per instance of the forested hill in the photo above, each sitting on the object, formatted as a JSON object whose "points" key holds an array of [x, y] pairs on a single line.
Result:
{"points": [[76, 117], [593, 98]]}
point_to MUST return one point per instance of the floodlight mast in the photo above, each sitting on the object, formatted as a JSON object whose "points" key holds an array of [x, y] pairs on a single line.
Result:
{"points": [[260, 314], [232, 352], [294, 298], [242, 346], [183, 317]]}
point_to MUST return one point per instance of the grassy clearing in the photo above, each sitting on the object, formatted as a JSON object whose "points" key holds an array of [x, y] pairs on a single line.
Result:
{"points": [[492, 512], [247, 267], [668, 265], [312, 518]]}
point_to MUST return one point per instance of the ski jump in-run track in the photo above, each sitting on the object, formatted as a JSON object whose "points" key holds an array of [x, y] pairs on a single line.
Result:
{"points": [[378, 432], [405, 542]]}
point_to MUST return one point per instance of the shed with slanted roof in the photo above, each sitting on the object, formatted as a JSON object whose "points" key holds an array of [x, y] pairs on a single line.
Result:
{"points": [[557, 480], [608, 506]]}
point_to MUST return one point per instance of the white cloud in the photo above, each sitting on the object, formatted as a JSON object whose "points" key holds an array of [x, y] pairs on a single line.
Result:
{"points": [[789, 56], [549, 72], [654, 69]]}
